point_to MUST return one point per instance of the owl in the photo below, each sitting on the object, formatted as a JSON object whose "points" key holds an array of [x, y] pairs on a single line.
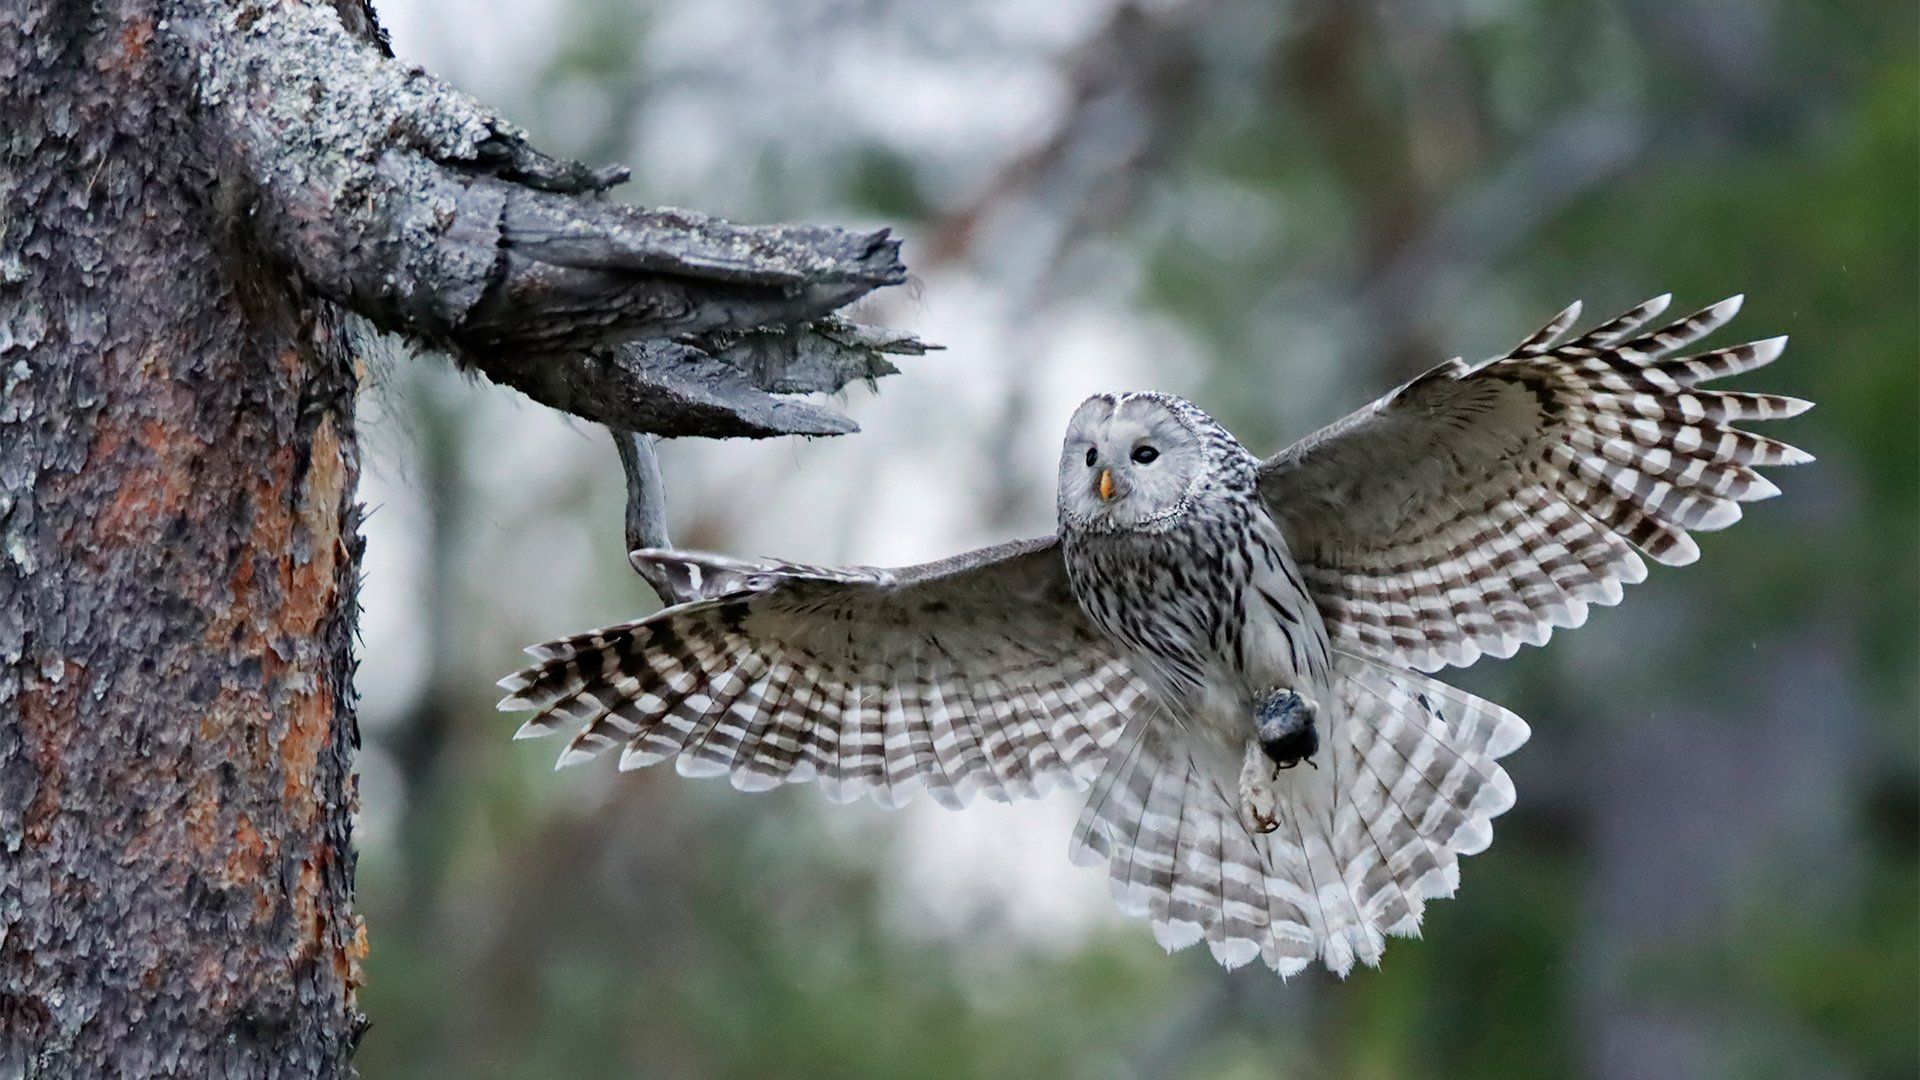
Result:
{"points": [[1234, 653]]}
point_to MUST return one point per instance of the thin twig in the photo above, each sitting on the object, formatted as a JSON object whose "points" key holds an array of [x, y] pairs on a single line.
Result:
{"points": [[646, 519]]}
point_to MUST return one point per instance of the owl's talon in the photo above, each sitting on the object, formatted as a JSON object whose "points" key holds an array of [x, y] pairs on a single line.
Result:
{"points": [[1259, 811], [1259, 808]]}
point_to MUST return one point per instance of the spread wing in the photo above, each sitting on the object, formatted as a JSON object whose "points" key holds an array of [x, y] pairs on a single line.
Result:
{"points": [[1476, 508], [978, 673]]}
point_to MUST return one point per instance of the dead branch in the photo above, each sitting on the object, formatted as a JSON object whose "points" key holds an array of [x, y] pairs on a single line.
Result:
{"points": [[395, 195]]}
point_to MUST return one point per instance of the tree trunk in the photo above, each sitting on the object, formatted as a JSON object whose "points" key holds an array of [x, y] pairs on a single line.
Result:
{"points": [[189, 188], [176, 593]]}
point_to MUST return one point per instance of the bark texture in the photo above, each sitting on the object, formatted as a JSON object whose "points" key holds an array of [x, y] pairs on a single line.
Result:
{"points": [[177, 565], [196, 195]]}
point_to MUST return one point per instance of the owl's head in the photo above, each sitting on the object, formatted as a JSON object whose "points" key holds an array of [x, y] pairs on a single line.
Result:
{"points": [[1138, 462]]}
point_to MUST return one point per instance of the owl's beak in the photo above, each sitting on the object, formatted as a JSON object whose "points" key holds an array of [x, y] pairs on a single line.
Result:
{"points": [[1106, 485]]}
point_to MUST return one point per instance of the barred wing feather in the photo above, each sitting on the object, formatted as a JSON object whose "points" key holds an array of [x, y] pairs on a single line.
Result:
{"points": [[1475, 509], [974, 674]]}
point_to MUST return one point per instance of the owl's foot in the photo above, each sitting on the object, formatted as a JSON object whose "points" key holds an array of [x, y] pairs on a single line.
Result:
{"points": [[1283, 723], [1259, 811]]}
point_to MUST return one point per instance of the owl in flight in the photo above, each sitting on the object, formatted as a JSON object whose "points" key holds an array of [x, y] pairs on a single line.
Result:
{"points": [[1229, 650]]}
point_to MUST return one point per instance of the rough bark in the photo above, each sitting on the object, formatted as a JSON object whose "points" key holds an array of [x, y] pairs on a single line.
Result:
{"points": [[177, 567], [195, 196]]}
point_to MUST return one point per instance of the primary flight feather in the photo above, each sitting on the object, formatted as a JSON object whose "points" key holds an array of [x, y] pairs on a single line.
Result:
{"points": [[1230, 651]]}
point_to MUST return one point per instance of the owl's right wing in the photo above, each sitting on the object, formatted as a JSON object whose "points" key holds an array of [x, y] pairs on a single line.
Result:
{"points": [[1478, 507], [976, 673]]}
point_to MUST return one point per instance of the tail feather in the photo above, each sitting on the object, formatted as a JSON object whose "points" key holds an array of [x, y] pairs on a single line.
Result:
{"points": [[1344, 934], [1410, 786]]}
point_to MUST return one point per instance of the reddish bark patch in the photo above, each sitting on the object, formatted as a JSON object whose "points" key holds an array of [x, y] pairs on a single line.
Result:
{"points": [[134, 40], [202, 815], [247, 860], [310, 908], [347, 962], [153, 491], [309, 721], [319, 520], [47, 726], [312, 595]]}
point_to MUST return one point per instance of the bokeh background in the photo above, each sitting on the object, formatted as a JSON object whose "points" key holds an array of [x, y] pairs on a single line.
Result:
{"points": [[1278, 209]]}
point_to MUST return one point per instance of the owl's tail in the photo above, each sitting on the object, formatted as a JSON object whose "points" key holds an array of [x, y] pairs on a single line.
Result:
{"points": [[1411, 784]]}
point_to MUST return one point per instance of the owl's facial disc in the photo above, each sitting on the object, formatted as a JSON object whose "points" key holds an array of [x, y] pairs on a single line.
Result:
{"points": [[1126, 463]]}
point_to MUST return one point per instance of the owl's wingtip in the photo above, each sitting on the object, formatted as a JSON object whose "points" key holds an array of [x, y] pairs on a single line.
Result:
{"points": [[571, 756], [537, 728]]}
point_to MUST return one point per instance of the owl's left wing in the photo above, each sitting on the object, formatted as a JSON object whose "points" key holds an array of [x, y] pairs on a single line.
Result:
{"points": [[977, 673], [1476, 508]]}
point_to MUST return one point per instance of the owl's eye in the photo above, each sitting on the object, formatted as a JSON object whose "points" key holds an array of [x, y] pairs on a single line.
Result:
{"points": [[1092, 456], [1144, 455]]}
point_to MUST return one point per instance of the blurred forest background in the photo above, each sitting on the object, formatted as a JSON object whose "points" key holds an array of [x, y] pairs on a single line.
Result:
{"points": [[1278, 209]]}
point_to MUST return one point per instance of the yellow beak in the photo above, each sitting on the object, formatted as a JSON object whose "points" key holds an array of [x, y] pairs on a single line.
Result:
{"points": [[1106, 485]]}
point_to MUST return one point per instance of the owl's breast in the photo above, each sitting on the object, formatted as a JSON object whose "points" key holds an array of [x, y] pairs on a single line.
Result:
{"points": [[1287, 643], [1212, 611], [1150, 595]]}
